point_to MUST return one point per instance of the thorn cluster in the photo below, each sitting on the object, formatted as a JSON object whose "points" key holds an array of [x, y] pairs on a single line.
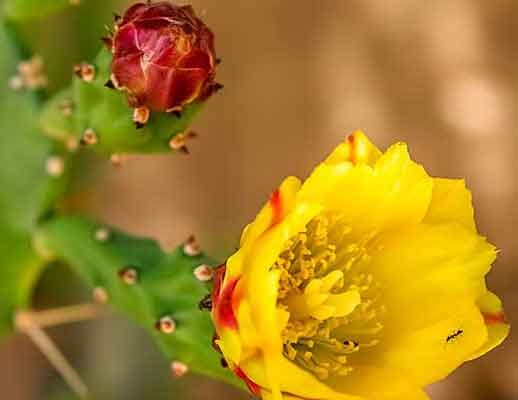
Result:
{"points": [[191, 247], [129, 275], [166, 324], [89, 137], [55, 166], [179, 369], [85, 72], [203, 273], [179, 141], [31, 75]]}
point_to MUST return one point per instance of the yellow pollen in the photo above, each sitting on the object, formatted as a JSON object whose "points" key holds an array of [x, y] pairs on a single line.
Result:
{"points": [[331, 297]]}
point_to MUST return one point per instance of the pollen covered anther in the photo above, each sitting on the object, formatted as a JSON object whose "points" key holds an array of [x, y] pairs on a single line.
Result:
{"points": [[324, 294]]}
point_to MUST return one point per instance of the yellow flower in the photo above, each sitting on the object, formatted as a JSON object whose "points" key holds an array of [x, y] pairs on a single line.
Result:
{"points": [[364, 282]]}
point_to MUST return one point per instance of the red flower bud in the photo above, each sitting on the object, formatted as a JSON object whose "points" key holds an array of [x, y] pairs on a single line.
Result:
{"points": [[163, 56]]}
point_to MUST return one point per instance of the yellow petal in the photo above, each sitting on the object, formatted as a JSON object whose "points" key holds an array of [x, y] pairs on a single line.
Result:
{"points": [[280, 205], [356, 148], [395, 191], [374, 383], [497, 326], [292, 380], [430, 353], [451, 201], [424, 262]]}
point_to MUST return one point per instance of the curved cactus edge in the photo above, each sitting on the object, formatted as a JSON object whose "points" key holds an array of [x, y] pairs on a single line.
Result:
{"points": [[160, 285], [104, 112]]}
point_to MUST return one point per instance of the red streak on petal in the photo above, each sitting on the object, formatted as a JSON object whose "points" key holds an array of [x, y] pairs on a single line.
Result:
{"points": [[276, 205], [494, 318], [223, 300], [252, 386], [352, 148]]}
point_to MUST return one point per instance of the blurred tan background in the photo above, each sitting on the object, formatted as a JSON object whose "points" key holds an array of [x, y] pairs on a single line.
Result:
{"points": [[439, 75]]}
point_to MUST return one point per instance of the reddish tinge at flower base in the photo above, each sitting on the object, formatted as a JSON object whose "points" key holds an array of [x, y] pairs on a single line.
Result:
{"points": [[163, 56]]}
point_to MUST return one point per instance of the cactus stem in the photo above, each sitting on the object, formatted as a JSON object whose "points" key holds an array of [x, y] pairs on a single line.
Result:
{"points": [[191, 247], [102, 234], [55, 166], [86, 72], [100, 295], [129, 275], [203, 273], [205, 304], [166, 325], [74, 2], [57, 316], [26, 323], [141, 116], [89, 137], [179, 369]]}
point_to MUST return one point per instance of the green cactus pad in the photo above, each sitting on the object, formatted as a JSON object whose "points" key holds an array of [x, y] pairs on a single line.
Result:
{"points": [[107, 113], [165, 285], [22, 10], [26, 188]]}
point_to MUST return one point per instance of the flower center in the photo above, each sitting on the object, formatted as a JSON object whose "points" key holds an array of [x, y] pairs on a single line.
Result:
{"points": [[331, 298]]}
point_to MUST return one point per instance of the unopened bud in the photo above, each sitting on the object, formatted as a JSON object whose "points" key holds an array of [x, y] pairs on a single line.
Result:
{"points": [[163, 56]]}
